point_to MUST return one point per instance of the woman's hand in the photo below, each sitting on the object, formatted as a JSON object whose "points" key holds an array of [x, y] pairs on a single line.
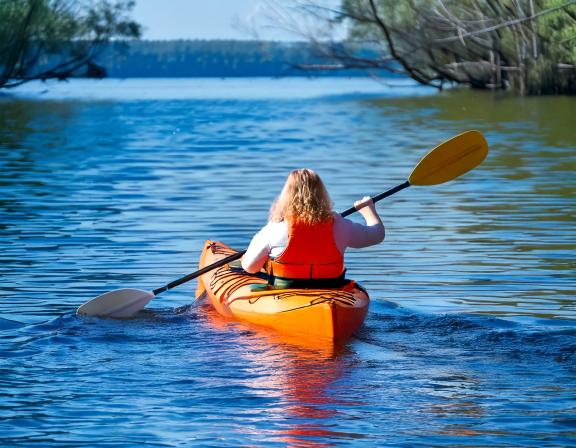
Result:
{"points": [[367, 209], [366, 201]]}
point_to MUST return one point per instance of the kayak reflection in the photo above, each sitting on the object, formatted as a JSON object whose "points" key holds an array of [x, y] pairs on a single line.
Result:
{"points": [[302, 373]]}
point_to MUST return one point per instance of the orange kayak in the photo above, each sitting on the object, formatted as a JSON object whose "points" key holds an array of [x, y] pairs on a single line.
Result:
{"points": [[333, 314]]}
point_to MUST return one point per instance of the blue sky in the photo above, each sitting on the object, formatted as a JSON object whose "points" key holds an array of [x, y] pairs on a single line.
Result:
{"points": [[209, 19]]}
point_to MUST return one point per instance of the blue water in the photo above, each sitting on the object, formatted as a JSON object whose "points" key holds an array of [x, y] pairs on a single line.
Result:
{"points": [[470, 336]]}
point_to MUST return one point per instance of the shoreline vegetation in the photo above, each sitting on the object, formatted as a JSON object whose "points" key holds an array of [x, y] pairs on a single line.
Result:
{"points": [[526, 47]]}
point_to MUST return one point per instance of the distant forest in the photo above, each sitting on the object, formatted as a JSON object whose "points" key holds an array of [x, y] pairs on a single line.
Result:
{"points": [[219, 58]]}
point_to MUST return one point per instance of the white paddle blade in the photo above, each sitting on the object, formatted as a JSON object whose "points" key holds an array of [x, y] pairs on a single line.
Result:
{"points": [[119, 303]]}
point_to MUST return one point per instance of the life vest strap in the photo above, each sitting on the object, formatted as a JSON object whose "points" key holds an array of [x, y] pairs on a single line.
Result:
{"points": [[307, 283]]}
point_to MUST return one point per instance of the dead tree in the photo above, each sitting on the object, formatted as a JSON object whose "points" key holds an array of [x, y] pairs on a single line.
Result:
{"points": [[523, 45]]}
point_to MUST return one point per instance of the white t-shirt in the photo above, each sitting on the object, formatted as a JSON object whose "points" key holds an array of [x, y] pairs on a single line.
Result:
{"points": [[272, 239]]}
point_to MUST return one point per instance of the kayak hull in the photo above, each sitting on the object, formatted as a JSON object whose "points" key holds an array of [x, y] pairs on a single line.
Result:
{"points": [[332, 314]]}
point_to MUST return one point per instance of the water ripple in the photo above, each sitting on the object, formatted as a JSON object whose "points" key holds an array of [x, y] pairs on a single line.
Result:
{"points": [[469, 339]]}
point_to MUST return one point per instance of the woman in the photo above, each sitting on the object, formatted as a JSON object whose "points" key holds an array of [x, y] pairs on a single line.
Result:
{"points": [[304, 241]]}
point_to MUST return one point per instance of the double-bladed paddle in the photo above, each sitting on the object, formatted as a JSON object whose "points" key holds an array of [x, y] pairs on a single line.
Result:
{"points": [[445, 162]]}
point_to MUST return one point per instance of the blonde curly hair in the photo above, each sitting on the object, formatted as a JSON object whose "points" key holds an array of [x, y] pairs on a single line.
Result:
{"points": [[303, 198]]}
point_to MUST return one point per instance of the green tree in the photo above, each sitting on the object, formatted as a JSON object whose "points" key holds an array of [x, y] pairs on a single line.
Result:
{"points": [[42, 39], [525, 45]]}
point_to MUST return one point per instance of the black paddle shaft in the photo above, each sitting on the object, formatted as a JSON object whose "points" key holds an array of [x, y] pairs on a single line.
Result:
{"points": [[205, 269], [378, 197], [238, 255]]}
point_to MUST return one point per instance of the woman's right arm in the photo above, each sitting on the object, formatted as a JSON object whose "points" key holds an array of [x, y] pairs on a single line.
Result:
{"points": [[357, 235], [367, 209]]}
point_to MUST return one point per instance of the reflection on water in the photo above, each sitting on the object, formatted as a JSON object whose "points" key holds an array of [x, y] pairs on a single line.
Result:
{"points": [[300, 373], [469, 339]]}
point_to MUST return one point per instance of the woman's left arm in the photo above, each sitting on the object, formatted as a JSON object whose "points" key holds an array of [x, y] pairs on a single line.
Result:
{"points": [[258, 252]]}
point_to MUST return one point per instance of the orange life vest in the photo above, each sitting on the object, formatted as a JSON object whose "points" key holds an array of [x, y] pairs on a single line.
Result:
{"points": [[311, 253]]}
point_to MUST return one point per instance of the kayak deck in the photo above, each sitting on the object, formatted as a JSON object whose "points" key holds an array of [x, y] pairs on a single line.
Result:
{"points": [[333, 314]]}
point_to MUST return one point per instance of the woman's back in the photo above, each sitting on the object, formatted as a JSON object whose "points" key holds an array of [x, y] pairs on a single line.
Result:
{"points": [[346, 234], [304, 200]]}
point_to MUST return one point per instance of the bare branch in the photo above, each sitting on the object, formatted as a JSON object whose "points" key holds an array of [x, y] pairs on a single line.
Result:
{"points": [[505, 24]]}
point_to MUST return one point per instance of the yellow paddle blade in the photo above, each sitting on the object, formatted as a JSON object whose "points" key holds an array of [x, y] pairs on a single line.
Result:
{"points": [[450, 159]]}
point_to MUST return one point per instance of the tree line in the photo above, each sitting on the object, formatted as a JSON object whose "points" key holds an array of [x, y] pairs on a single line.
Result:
{"points": [[219, 58]]}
